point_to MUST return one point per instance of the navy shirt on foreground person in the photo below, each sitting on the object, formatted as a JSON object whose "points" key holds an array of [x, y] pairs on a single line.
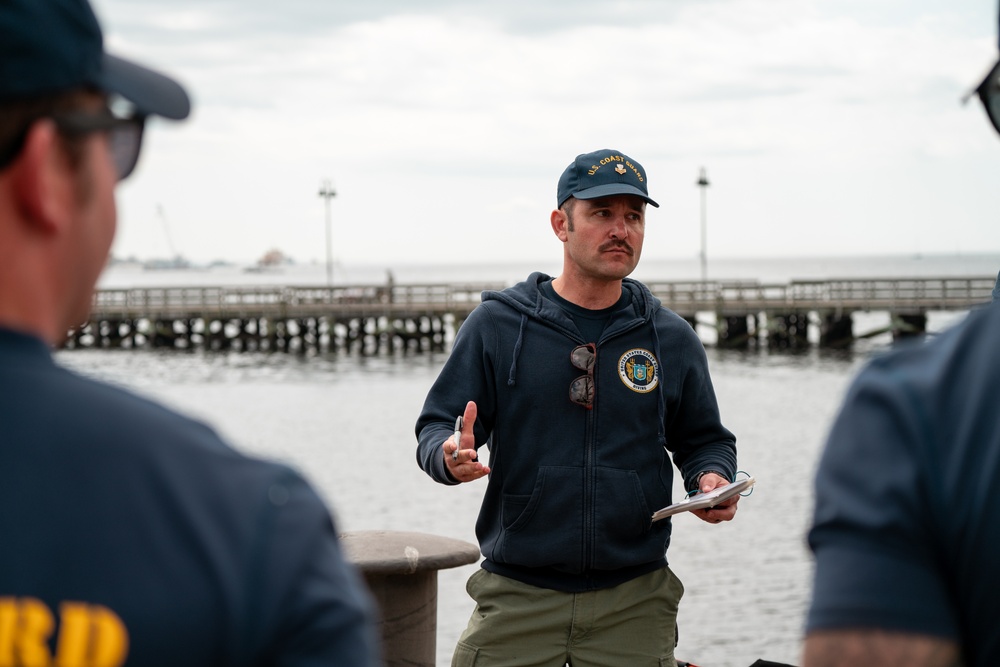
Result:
{"points": [[905, 533], [132, 532], [128, 533]]}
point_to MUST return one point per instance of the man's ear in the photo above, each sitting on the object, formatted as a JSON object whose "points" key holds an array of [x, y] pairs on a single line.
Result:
{"points": [[43, 179], [560, 223]]}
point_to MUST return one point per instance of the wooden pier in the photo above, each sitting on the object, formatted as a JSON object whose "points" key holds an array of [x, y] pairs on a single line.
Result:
{"points": [[420, 317]]}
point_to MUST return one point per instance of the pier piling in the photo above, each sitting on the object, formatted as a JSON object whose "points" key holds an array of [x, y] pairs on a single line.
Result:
{"points": [[909, 325], [836, 330]]}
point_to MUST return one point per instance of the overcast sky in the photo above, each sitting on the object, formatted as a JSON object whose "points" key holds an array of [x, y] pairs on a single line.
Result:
{"points": [[827, 127]]}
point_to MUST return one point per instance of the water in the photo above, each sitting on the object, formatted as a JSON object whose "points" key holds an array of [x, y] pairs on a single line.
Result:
{"points": [[347, 423]]}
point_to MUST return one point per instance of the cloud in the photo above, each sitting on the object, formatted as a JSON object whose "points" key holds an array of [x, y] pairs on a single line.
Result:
{"points": [[444, 125]]}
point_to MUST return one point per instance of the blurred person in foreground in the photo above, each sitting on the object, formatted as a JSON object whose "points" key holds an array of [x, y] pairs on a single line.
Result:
{"points": [[581, 386], [905, 528], [130, 534]]}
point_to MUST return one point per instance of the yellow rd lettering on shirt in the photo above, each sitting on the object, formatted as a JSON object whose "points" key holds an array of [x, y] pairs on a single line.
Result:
{"points": [[88, 636]]}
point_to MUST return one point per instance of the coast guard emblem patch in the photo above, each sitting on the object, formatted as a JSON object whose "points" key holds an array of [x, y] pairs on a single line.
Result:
{"points": [[639, 371]]}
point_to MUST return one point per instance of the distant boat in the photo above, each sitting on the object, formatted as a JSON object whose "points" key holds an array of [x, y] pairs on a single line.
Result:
{"points": [[273, 261]]}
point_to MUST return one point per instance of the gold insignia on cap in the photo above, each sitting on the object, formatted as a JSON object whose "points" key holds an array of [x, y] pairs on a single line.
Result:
{"points": [[620, 168]]}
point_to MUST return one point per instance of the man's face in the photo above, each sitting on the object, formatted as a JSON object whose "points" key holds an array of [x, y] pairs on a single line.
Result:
{"points": [[603, 237]]}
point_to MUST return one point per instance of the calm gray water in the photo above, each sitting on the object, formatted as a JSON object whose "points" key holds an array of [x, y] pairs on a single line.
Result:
{"points": [[347, 422]]}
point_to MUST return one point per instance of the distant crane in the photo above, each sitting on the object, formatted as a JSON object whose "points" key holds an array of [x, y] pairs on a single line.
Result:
{"points": [[176, 261], [166, 230]]}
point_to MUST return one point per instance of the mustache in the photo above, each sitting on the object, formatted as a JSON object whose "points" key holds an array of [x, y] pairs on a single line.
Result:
{"points": [[616, 245]]}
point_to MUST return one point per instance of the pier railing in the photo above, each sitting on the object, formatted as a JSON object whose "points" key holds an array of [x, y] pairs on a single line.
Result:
{"points": [[848, 294], [684, 297], [283, 317], [286, 301]]}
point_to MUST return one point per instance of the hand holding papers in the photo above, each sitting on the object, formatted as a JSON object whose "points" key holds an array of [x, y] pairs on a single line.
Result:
{"points": [[700, 501]]}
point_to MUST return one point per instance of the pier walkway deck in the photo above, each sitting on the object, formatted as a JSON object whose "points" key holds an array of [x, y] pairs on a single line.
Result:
{"points": [[423, 315]]}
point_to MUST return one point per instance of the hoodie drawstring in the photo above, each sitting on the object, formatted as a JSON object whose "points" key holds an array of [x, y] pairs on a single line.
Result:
{"points": [[660, 433], [512, 377]]}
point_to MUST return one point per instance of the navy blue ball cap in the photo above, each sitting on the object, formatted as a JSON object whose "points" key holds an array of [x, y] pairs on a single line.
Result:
{"points": [[50, 46], [149, 91], [600, 174]]}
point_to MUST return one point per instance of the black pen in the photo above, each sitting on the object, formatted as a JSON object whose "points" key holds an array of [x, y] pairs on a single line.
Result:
{"points": [[458, 438]]}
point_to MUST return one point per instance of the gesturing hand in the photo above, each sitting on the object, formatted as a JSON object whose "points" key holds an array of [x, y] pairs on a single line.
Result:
{"points": [[466, 466]]}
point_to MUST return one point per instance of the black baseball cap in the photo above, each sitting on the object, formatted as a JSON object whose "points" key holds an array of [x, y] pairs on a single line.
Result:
{"points": [[600, 174], [49, 46]]}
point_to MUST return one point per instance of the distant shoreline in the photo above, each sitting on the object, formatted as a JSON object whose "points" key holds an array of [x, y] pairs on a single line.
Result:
{"points": [[761, 269]]}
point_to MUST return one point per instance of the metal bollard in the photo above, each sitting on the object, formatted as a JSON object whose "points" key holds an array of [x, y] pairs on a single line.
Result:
{"points": [[401, 571]]}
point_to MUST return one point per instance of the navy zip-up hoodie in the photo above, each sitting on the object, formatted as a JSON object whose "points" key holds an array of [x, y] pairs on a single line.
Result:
{"points": [[571, 490]]}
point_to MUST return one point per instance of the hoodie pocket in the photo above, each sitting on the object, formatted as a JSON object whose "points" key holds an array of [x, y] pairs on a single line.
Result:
{"points": [[545, 529], [622, 521]]}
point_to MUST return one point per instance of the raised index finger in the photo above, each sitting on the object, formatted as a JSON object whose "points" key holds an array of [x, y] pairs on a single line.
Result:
{"points": [[469, 417]]}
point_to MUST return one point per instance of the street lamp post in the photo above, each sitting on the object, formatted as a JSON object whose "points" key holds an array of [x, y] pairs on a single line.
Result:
{"points": [[703, 184], [327, 193]]}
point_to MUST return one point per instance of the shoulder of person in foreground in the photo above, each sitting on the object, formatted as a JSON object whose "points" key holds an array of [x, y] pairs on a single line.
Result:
{"points": [[305, 603], [310, 604], [298, 598], [914, 419]]}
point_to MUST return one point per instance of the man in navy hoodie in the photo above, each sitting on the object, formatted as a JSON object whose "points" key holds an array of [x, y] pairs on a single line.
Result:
{"points": [[905, 526], [582, 387], [128, 533]]}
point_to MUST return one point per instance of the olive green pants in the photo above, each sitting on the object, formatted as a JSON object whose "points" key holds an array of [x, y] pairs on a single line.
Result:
{"points": [[518, 625]]}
